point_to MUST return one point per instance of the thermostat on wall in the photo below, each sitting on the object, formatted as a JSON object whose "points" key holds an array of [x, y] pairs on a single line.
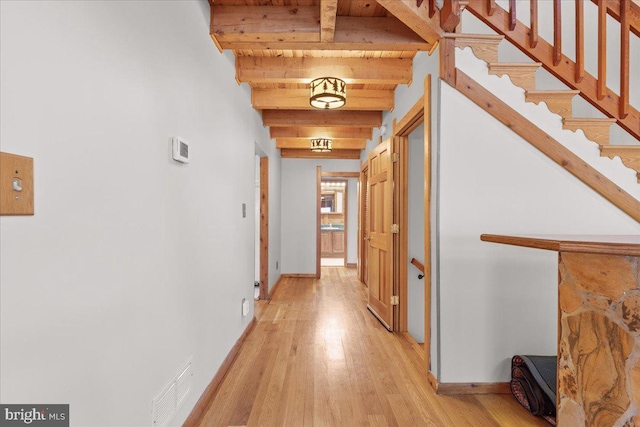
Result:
{"points": [[180, 149]]}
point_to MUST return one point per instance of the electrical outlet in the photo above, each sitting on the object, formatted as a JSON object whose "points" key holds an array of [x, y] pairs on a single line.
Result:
{"points": [[245, 307], [244, 210], [276, 265]]}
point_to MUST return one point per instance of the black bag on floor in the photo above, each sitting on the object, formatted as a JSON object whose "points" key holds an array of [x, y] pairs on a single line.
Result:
{"points": [[533, 384]]}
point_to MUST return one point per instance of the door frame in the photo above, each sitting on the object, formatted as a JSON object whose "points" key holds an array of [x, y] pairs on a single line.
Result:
{"points": [[319, 176], [264, 228], [420, 113], [362, 190]]}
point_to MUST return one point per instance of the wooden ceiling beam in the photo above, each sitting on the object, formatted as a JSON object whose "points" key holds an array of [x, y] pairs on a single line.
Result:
{"points": [[298, 99], [377, 31], [302, 70], [337, 144], [329, 118], [416, 18], [321, 132], [351, 33], [230, 24], [328, 11], [292, 153]]}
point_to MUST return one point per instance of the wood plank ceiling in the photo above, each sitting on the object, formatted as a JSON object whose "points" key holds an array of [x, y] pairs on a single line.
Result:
{"points": [[281, 45]]}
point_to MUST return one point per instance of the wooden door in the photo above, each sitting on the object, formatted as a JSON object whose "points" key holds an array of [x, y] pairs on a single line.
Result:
{"points": [[380, 236]]}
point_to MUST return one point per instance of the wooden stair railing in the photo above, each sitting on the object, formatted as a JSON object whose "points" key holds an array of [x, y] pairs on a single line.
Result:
{"points": [[419, 266], [593, 89], [485, 47]]}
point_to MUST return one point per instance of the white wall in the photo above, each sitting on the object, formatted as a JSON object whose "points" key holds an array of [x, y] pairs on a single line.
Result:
{"points": [[132, 263], [496, 300], [406, 96], [352, 221], [299, 210]]}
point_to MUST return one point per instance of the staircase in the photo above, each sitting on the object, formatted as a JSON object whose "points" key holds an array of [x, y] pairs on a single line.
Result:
{"points": [[613, 102], [470, 63]]}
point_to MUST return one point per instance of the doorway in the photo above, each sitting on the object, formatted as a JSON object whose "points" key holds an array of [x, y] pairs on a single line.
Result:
{"points": [[416, 121], [336, 219], [256, 219], [415, 241], [261, 274], [415, 129], [334, 202]]}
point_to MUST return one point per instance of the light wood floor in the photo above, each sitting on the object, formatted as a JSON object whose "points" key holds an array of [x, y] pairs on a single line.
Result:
{"points": [[317, 357]]}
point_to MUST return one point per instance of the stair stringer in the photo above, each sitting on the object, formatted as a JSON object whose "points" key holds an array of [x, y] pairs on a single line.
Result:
{"points": [[549, 122]]}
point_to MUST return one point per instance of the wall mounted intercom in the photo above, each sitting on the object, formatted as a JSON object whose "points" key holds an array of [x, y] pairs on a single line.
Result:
{"points": [[180, 149]]}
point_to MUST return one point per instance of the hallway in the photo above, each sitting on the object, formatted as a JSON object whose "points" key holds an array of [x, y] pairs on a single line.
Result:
{"points": [[317, 357]]}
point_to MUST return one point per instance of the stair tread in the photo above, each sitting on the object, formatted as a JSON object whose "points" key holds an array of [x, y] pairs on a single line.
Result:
{"points": [[628, 154], [515, 65], [588, 121], [557, 101], [554, 93], [522, 74], [483, 37], [597, 130], [621, 148]]}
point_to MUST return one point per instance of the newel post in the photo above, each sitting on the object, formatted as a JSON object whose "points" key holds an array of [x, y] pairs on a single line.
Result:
{"points": [[450, 15]]}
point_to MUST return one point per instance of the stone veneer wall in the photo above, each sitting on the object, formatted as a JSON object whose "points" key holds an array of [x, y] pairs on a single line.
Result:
{"points": [[599, 345]]}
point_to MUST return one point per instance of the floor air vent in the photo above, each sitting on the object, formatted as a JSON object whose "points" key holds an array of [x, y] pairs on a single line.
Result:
{"points": [[169, 401], [164, 407], [183, 385]]}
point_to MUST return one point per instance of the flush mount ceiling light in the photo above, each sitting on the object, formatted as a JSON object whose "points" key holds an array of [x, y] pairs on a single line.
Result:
{"points": [[321, 145], [328, 93], [332, 184]]}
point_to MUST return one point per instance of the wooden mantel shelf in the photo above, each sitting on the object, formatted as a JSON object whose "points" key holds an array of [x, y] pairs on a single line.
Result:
{"points": [[598, 326], [595, 244]]}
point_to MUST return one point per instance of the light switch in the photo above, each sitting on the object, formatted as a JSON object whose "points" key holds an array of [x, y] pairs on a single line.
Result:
{"points": [[16, 185]]}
